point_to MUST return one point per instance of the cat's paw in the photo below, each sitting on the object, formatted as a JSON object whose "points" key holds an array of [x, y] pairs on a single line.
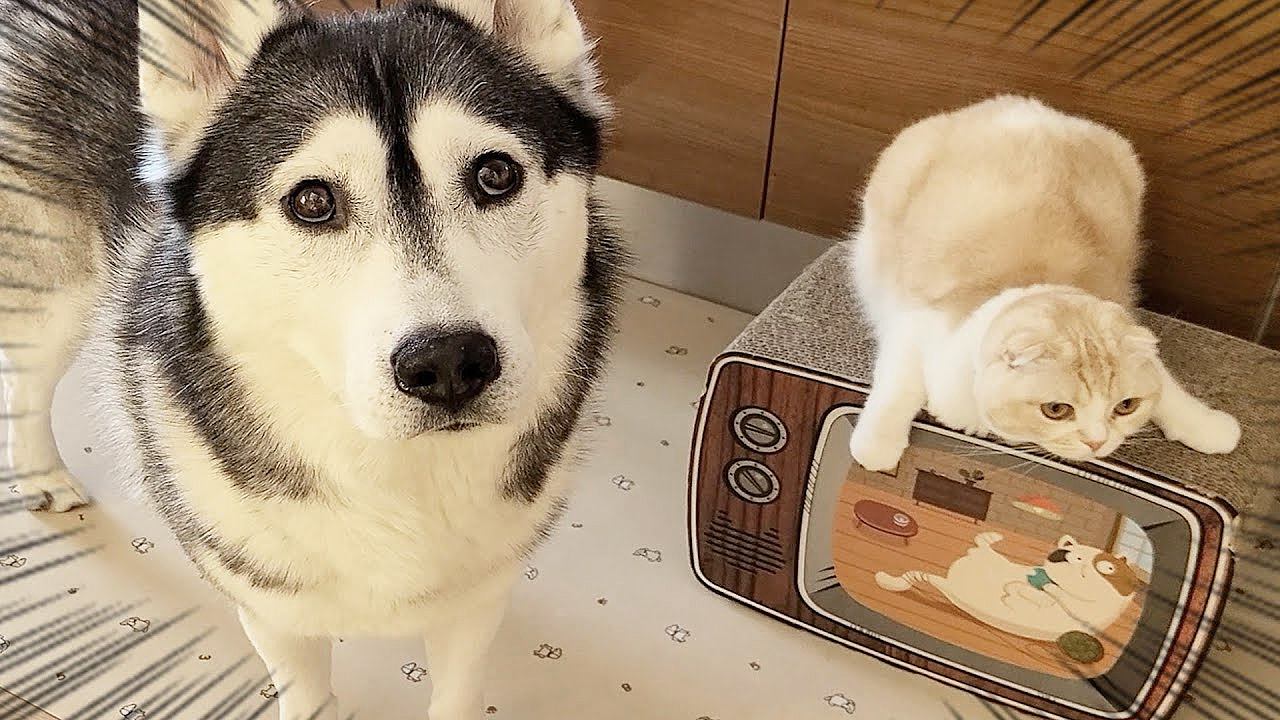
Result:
{"points": [[54, 490], [1214, 434], [876, 451]]}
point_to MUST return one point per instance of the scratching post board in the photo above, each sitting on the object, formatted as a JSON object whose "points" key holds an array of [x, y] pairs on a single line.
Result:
{"points": [[899, 564], [816, 324]]}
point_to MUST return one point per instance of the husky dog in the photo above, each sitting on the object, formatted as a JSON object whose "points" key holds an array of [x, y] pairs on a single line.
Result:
{"points": [[345, 286], [1079, 588]]}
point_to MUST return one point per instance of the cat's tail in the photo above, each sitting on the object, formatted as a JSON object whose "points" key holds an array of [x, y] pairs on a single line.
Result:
{"points": [[906, 581]]}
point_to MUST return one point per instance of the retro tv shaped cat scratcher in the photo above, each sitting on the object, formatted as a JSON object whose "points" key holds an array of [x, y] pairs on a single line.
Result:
{"points": [[781, 518]]}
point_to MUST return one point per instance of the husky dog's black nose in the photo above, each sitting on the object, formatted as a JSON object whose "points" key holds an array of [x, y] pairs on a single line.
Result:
{"points": [[445, 370]]}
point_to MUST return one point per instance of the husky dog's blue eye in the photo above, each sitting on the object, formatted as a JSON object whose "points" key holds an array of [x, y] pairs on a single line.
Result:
{"points": [[494, 176], [312, 202]]}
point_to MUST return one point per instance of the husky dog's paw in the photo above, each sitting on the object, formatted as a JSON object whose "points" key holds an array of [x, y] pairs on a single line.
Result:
{"points": [[1215, 433], [54, 490], [876, 451]]}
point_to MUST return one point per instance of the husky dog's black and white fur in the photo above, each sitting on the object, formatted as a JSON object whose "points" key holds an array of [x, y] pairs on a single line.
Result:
{"points": [[345, 285]]}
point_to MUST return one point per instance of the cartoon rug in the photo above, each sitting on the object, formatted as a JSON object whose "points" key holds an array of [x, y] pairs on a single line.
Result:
{"points": [[102, 617]]}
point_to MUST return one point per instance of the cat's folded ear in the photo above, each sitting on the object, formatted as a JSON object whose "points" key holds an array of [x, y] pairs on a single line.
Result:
{"points": [[1022, 349], [1134, 338], [1141, 341], [1066, 541]]}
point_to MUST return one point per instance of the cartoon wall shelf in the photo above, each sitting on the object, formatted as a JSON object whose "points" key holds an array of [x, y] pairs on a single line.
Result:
{"points": [[1111, 575]]}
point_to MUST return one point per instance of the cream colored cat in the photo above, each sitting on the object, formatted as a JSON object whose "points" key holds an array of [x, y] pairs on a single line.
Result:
{"points": [[996, 259]]}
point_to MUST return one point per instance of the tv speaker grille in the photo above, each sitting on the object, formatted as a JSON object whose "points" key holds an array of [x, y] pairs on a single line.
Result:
{"points": [[742, 550]]}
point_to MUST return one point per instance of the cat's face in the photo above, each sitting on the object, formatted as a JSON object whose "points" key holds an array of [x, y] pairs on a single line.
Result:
{"points": [[1068, 372]]}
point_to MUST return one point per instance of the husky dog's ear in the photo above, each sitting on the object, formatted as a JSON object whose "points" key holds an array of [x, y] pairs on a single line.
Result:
{"points": [[549, 33], [191, 53]]}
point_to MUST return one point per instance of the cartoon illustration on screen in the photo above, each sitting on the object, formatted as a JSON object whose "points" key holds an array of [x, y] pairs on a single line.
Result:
{"points": [[1077, 588], [986, 557]]}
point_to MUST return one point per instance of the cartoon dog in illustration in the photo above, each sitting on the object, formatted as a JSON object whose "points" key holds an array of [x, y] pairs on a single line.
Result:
{"points": [[1079, 588]]}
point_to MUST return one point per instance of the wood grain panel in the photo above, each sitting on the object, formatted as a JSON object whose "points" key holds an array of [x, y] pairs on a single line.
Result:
{"points": [[693, 82], [1193, 83]]}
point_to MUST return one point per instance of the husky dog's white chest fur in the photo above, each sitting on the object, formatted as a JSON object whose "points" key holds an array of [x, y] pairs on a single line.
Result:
{"points": [[378, 545]]}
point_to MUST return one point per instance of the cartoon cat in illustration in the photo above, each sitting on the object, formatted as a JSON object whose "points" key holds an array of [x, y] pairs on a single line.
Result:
{"points": [[1078, 588]]}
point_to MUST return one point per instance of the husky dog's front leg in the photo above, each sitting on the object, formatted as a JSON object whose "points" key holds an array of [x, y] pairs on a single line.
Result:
{"points": [[300, 669], [457, 646], [37, 348]]}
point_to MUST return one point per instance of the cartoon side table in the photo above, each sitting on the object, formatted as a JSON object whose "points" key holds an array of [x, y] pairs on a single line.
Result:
{"points": [[886, 519]]}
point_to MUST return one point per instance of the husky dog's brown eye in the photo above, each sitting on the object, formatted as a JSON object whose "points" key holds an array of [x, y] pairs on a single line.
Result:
{"points": [[495, 175], [1127, 406], [1057, 411], [312, 202]]}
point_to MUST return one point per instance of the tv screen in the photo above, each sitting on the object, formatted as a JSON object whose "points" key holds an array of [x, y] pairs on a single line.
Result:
{"points": [[1033, 574]]}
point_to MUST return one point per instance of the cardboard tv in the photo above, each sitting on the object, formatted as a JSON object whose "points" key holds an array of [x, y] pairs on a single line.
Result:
{"points": [[972, 563]]}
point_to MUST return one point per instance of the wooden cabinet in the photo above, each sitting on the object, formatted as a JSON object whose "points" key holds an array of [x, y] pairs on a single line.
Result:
{"points": [[1202, 114], [693, 82]]}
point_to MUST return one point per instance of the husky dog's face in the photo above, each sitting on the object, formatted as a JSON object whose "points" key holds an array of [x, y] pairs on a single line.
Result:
{"points": [[390, 211]]}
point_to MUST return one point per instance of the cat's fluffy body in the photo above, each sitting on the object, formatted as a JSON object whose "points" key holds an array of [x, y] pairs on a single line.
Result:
{"points": [[996, 259]]}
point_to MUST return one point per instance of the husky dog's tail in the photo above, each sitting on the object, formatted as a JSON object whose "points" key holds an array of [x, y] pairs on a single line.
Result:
{"points": [[69, 112]]}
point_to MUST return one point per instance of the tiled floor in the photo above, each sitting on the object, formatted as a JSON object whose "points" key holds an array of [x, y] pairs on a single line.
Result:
{"points": [[100, 614]]}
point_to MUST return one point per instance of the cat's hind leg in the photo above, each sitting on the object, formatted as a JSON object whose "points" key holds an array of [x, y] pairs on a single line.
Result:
{"points": [[908, 580], [897, 394], [1184, 418]]}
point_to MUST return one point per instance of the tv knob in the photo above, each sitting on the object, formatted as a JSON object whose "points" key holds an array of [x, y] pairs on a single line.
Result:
{"points": [[752, 481], [759, 430]]}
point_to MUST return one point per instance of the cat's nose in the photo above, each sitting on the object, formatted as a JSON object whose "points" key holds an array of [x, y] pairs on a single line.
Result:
{"points": [[1094, 444]]}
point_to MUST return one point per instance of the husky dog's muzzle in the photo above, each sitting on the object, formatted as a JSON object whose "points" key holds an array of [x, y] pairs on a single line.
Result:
{"points": [[446, 370]]}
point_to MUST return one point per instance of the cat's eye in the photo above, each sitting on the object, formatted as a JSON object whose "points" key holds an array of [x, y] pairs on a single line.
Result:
{"points": [[1057, 411], [1106, 567], [312, 203], [1128, 406], [494, 176]]}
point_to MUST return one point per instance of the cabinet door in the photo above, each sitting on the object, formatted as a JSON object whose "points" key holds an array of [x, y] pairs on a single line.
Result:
{"points": [[1193, 84], [694, 83]]}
